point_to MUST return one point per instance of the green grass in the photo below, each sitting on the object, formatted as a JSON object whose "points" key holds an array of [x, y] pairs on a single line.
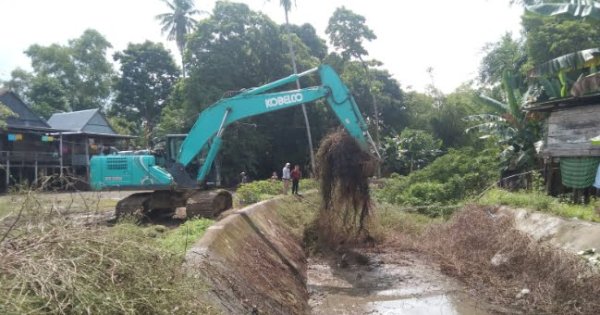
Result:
{"points": [[392, 219], [260, 190], [183, 237], [298, 213], [539, 201]]}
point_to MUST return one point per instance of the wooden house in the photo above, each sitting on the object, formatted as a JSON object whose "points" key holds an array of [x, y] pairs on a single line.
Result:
{"points": [[85, 133], [27, 149], [570, 158]]}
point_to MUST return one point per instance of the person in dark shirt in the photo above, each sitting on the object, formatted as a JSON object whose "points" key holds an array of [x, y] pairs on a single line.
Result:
{"points": [[296, 175]]}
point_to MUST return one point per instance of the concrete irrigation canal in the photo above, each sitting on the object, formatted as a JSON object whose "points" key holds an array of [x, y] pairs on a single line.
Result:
{"points": [[254, 264]]}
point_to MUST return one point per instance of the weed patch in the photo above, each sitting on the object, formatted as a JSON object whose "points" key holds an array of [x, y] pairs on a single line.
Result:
{"points": [[50, 264], [182, 238], [480, 247]]}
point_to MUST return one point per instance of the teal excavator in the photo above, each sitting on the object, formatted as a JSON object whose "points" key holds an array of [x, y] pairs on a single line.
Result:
{"points": [[168, 173]]}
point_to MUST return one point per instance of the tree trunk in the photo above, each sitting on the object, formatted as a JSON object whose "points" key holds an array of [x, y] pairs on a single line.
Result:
{"points": [[375, 109], [181, 47], [182, 66], [306, 122]]}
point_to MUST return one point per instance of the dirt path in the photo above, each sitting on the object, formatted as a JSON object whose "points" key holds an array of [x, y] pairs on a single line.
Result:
{"points": [[390, 283]]}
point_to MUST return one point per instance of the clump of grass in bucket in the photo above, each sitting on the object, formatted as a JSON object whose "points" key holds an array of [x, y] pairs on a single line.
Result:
{"points": [[343, 170]]}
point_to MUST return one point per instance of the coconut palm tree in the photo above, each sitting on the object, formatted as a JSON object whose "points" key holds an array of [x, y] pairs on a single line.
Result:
{"points": [[178, 23], [287, 7]]}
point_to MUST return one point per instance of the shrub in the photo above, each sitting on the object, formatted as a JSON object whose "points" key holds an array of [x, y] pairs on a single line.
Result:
{"points": [[449, 179], [182, 238], [488, 252], [258, 190]]}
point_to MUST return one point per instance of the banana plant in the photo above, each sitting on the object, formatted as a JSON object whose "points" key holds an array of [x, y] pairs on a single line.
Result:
{"points": [[511, 128], [559, 68], [573, 8]]}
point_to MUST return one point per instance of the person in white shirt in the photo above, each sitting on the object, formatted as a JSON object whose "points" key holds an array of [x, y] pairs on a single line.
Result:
{"points": [[286, 178]]}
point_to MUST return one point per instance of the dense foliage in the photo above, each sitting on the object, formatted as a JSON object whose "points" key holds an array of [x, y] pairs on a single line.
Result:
{"points": [[447, 180], [148, 74], [235, 48]]}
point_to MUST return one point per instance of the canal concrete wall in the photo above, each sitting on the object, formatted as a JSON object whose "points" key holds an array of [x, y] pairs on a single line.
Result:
{"points": [[251, 263]]}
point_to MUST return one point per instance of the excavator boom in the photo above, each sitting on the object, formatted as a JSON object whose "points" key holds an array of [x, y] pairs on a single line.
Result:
{"points": [[212, 121], [178, 187]]}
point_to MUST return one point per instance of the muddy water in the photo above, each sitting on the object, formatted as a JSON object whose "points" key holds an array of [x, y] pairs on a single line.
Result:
{"points": [[388, 284]]}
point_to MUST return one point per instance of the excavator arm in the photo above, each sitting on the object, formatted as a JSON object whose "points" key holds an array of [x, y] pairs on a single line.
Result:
{"points": [[212, 122]]}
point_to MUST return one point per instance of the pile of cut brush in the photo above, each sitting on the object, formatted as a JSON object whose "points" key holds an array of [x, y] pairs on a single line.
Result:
{"points": [[343, 170]]}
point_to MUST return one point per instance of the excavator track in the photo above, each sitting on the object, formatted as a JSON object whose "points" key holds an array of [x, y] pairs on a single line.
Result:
{"points": [[166, 203]]}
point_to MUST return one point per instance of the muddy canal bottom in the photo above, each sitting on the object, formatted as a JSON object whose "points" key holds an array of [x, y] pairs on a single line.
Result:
{"points": [[387, 284]]}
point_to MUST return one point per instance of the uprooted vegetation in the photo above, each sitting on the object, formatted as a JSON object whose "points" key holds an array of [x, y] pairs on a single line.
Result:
{"points": [[53, 264], [343, 170], [486, 251]]}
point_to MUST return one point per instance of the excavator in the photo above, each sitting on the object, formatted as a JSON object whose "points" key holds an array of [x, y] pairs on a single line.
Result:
{"points": [[165, 177]]}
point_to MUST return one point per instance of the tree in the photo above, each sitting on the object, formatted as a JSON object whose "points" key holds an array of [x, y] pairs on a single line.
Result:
{"points": [[5, 113], [551, 37], [94, 73], [19, 83], [512, 129], [308, 35], [66, 77], [411, 150], [148, 74], [506, 54], [447, 121], [236, 48], [347, 31], [178, 23], [48, 96], [287, 6]]}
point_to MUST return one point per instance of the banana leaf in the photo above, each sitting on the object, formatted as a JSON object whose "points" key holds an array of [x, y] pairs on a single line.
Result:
{"points": [[569, 62], [552, 89], [573, 8], [493, 103]]}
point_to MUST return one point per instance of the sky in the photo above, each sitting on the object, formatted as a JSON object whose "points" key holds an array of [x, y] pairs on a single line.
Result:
{"points": [[412, 35]]}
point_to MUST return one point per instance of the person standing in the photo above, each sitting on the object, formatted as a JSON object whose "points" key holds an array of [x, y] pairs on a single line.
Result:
{"points": [[296, 175], [243, 178], [286, 177]]}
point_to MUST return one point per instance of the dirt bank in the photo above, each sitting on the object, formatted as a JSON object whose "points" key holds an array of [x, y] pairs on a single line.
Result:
{"points": [[252, 263]]}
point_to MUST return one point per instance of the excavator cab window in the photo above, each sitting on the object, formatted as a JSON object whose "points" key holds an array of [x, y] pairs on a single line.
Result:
{"points": [[173, 143]]}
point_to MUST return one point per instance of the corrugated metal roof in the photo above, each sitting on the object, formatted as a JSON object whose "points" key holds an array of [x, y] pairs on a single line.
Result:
{"points": [[566, 102], [73, 121]]}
